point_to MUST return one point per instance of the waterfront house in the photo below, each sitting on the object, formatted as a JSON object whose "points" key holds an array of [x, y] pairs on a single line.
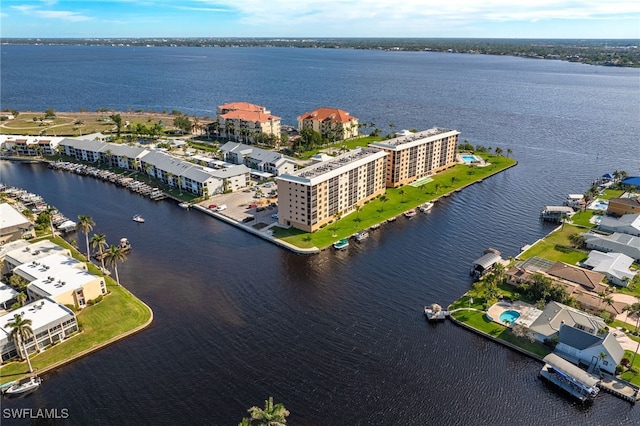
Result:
{"points": [[51, 323], [413, 156], [332, 123], [257, 159], [312, 197], [32, 252], [615, 266], [14, 225], [30, 145], [590, 280], [575, 201], [556, 213], [622, 206], [616, 243], [62, 279], [595, 351], [554, 315], [626, 224], [583, 285], [246, 120], [9, 247]]}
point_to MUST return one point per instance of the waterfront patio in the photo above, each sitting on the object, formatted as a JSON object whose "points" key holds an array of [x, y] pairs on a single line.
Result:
{"points": [[528, 313]]}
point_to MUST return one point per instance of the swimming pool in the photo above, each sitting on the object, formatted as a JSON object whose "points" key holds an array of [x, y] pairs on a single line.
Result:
{"points": [[599, 205], [469, 158], [508, 317]]}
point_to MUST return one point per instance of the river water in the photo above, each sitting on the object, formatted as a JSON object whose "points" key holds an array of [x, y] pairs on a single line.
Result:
{"points": [[338, 337]]}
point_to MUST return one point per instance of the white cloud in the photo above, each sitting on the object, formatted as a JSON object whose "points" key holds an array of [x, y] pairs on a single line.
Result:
{"points": [[294, 12], [51, 14]]}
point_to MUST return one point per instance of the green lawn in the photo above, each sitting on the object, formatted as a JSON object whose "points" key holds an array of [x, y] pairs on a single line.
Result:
{"points": [[377, 211], [479, 321], [547, 247], [630, 376], [118, 313], [582, 219]]}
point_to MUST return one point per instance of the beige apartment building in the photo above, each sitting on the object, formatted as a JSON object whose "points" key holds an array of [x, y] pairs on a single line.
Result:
{"points": [[332, 123], [313, 196], [416, 155], [244, 120]]}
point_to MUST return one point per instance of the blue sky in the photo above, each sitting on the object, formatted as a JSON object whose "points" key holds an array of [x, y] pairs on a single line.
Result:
{"points": [[321, 18]]}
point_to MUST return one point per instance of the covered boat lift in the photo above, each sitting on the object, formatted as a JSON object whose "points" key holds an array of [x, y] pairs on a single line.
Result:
{"points": [[570, 377], [483, 264]]}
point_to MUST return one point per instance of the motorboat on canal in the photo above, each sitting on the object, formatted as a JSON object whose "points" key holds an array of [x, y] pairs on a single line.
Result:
{"points": [[341, 244], [25, 385], [138, 218]]}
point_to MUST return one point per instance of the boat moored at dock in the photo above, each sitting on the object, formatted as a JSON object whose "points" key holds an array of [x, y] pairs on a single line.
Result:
{"points": [[434, 312], [23, 386], [341, 244], [410, 213], [362, 235]]}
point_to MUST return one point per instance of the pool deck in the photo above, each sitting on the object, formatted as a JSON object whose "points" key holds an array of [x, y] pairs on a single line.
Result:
{"points": [[528, 313]]}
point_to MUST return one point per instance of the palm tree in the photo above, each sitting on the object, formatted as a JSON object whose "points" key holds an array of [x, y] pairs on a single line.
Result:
{"points": [[99, 241], [336, 218], [358, 208], [402, 192], [437, 187], [634, 310], [180, 179], [49, 211], [271, 415], [383, 199], [20, 333], [85, 224], [114, 255], [509, 152], [21, 298], [148, 168]]}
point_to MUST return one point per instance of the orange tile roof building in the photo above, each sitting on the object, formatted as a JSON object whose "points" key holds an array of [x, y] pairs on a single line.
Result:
{"points": [[415, 155], [332, 123], [244, 120], [311, 197]]}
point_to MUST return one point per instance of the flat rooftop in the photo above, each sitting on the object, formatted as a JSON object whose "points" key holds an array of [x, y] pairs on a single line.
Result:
{"points": [[345, 161], [413, 137], [43, 313]]}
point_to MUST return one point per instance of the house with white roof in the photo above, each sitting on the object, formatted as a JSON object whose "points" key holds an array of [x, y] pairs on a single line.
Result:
{"points": [[628, 224], [616, 243], [30, 145], [9, 247], [615, 266], [14, 225], [32, 253], [62, 279], [51, 322], [258, 159], [601, 351], [555, 314], [7, 296]]}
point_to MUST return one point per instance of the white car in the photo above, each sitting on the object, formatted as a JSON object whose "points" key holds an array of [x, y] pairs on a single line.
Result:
{"points": [[274, 216]]}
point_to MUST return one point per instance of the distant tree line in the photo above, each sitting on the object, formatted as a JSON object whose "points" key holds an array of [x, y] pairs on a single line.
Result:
{"points": [[595, 51]]}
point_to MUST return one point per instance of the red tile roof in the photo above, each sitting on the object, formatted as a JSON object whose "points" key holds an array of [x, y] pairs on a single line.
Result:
{"points": [[244, 106], [244, 115], [331, 114]]}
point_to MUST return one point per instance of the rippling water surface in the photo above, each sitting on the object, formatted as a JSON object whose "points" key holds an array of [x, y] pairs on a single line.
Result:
{"points": [[339, 338]]}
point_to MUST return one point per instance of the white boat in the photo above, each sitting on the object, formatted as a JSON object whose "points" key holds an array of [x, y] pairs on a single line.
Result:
{"points": [[341, 244], [184, 205], [410, 213], [426, 207], [362, 235], [138, 218], [23, 386], [124, 244]]}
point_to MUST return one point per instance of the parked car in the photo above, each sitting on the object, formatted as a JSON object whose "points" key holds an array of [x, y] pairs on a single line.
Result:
{"points": [[212, 206], [274, 216], [221, 207], [259, 209], [247, 219]]}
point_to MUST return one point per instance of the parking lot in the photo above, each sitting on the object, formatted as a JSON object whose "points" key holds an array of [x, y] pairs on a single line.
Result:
{"points": [[244, 206]]}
